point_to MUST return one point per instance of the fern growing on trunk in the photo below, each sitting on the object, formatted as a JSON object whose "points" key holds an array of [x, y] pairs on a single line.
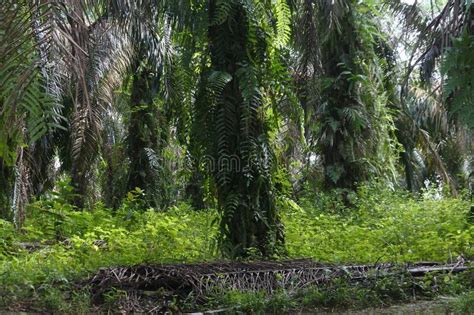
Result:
{"points": [[231, 126]]}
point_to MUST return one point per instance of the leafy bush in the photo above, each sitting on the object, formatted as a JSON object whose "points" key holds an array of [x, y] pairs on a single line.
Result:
{"points": [[383, 225], [463, 304], [7, 232], [72, 244]]}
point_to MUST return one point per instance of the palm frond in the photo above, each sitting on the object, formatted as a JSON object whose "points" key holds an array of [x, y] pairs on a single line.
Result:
{"points": [[25, 86]]}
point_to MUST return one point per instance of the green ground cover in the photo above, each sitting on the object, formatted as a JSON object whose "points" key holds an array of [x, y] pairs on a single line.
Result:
{"points": [[58, 245]]}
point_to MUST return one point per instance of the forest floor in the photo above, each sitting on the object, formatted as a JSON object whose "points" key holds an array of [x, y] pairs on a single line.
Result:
{"points": [[80, 262], [292, 287], [418, 307], [300, 286]]}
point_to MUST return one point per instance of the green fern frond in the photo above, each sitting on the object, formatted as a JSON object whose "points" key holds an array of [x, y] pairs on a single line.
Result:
{"points": [[283, 23], [223, 9]]}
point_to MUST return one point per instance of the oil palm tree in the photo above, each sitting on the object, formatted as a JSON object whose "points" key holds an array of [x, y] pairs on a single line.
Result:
{"points": [[231, 127], [344, 85], [77, 53], [29, 102]]}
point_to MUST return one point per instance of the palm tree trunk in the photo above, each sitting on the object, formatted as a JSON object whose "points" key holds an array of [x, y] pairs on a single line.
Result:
{"points": [[83, 125], [5, 189], [244, 189], [143, 135]]}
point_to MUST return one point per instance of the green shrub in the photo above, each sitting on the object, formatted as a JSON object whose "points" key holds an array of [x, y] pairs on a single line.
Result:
{"points": [[382, 226], [248, 302], [463, 304], [75, 244], [7, 237]]}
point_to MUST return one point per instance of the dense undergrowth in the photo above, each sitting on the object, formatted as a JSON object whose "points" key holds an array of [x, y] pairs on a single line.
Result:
{"points": [[58, 245], [381, 226]]}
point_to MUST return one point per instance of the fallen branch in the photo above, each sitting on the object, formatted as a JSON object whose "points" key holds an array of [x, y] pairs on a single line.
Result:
{"points": [[204, 278]]}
